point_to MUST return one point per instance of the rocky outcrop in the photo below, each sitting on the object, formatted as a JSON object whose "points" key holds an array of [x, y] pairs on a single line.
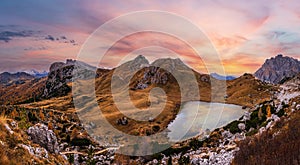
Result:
{"points": [[276, 69], [62, 73], [289, 89], [46, 138], [293, 83], [160, 71], [36, 151], [153, 75]]}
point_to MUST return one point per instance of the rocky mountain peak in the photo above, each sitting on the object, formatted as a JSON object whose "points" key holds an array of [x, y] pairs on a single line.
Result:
{"points": [[170, 64], [61, 73], [131, 66], [55, 66], [140, 59], [277, 68]]}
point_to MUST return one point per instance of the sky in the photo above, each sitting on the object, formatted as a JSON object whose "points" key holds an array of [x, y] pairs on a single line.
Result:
{"points": [[34, 34]]}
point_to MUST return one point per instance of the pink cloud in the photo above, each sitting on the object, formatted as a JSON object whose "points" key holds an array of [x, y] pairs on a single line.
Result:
{"points": [[236, 28]]}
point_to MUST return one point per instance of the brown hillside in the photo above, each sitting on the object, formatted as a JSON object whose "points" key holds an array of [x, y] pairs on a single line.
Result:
{"points": [[248, 91], [29, 91], [280, 145], [245, 90]]}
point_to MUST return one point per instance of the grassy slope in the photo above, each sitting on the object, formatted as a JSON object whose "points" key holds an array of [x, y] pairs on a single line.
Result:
{"points": [[241, 91], [12, 153], [280, 145], [27, 92]]}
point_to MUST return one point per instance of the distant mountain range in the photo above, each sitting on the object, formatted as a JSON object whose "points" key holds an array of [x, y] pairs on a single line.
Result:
{"points": [[7, 77], [19, 77], [222, 77], [36, 73], [274, 70]]}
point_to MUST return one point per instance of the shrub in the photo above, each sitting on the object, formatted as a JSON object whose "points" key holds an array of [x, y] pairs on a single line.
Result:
{"points": [[171, 151], [23, 122], [184, 160], [32, 117], [280, 112], [169, 161], [284, 105], [80, 142], [155, 128], [71, 158], [233, 127], [14, 114], [257, 118], [269, 149], [195, 144], [42, 116], [253, 132], [12, 141], [254, 115]]}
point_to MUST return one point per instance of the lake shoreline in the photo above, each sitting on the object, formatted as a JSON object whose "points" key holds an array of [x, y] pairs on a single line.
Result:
{"points": [[204, 119]]}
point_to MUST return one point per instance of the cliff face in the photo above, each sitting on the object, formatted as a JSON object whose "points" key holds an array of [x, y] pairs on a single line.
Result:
{"points": [[62, 73], [278, 68]]}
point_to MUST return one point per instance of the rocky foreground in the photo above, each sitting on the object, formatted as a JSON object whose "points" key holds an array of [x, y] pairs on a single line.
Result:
{"points": [[217, 147]]}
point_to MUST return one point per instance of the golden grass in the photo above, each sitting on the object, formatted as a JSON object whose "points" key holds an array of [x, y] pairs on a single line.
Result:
{"points": [[3, 119], [12, 153], [245, 90], [22, 92]]}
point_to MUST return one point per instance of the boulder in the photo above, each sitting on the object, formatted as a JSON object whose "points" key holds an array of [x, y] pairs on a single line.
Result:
{"points": [[46, 138], [298, 106], [122, 121], [275, 117], [242, 126], [226, 134], [261, 130]]}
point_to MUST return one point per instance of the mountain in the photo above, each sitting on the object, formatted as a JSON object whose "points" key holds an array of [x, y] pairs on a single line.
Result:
{"points": [[19, 77], [126, 69], [60, 74], [170, 64], [36, 73], [138, 75], [221, 77], [278, 68], [48, 100]]}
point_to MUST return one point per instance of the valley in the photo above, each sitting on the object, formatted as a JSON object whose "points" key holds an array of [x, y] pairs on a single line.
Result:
{"points": [[130, 98]]}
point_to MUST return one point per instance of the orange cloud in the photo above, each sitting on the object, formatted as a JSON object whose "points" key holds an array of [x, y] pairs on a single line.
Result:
{"points": [[242, 63]]}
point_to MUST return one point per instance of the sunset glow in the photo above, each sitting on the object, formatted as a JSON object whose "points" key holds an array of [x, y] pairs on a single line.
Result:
{"points": [[37, 33]]}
